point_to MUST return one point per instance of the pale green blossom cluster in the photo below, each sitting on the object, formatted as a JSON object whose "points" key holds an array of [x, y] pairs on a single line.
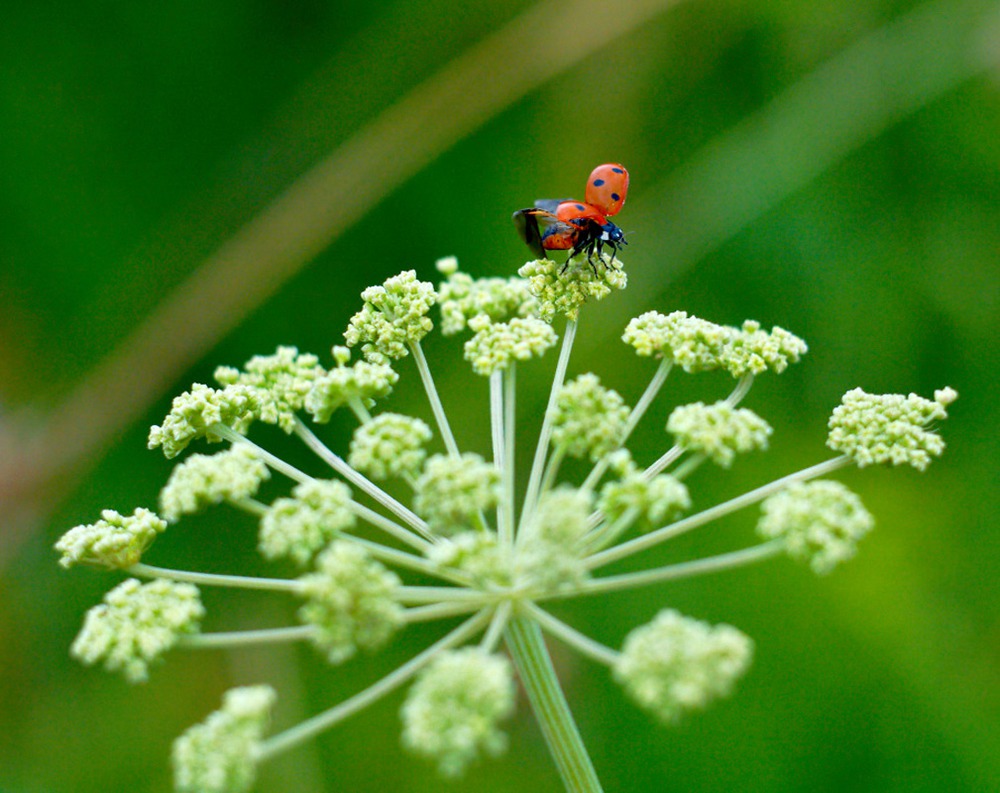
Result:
{"points": [[136, 624], [697, 345], [677, 664], [281, 381], [451, 491], [300, 526], [204, 480], [350, 601], [889, 428], [394, 316], [390, 445], [357, 386], [718, 431], [220, 754], [820, 522], [589, 419], [410, 525], [452, 711], [115, 541]]}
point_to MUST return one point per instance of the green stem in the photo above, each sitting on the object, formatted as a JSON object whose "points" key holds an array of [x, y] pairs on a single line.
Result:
{"points": [[524, 639], [216, 579], [273, 461], [203, 641], [509, 426], [434, 398], [409, 561], [713, 513], [310, 728], [328, 456], [572, 637], [672, 572], [538, 465], [659, 378], [439, 611]]}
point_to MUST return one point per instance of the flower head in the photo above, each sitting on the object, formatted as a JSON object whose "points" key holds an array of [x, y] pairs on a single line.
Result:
{"points": [[496, 345], [343, 384], [565, 293], [220, 754], [115, 541], [551, 556], [889, 428], [300, 526], [821, 522], [718, 431], [136, 624], [452, 490], [697, 345], [394, 316], [390, 445], [195, 414], [694, 344], [677, 664], [282, 382], [351, 601], [452, 710], [755, 351], [477, 554], [462, 297], [206, 479], [589, 419], [657, 500]]}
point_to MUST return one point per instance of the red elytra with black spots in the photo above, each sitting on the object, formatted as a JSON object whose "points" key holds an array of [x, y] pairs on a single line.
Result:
{"points": [[578, 226]]}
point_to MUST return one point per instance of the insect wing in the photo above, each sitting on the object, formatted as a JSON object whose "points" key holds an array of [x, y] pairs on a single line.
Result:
{"points": [[543, 231], [551, 204]]}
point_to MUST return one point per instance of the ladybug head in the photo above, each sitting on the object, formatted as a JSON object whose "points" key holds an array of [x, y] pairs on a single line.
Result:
{"points": [[611, 233]]}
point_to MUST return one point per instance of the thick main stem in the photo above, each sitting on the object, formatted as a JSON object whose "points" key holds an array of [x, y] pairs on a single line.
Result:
{"points": [[524, 638]]}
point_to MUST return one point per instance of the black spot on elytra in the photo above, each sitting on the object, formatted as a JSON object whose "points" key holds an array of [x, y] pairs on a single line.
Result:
{"points": [[598, 182], [615, 196]]}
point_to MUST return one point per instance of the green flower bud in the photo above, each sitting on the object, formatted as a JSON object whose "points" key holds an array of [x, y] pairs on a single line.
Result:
{"points": [[462, 297], [390, 445], [889, 428], [298, 527], [451, 490], [203, 480], [589, 419], [136, 624], [497, 344], [194, 413], [115, 541], [451, 712], [565, 293], [394, 316], [282, 382], [220, 754], [718, 431], [351, 601], [821, 522], [363, 381], [676, 664]]}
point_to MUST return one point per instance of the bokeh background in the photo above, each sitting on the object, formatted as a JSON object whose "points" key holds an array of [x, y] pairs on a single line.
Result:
{"points": [[188, 184]]}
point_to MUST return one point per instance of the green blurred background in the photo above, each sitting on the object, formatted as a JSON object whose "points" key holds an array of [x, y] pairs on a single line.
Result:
{"points": [[832, 167]]}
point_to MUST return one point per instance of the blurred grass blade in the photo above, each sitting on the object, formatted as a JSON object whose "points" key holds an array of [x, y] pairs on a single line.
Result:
{"points": [[849, 100]]}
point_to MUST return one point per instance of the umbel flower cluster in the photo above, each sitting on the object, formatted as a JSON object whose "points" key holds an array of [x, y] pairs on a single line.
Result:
{"points": [[497, 557]]}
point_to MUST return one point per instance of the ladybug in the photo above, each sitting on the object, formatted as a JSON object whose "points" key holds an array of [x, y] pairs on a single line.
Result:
{"points": [[578, 226]]}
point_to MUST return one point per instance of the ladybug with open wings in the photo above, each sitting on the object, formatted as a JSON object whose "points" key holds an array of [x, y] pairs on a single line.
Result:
{"points": [[577, 226]]}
